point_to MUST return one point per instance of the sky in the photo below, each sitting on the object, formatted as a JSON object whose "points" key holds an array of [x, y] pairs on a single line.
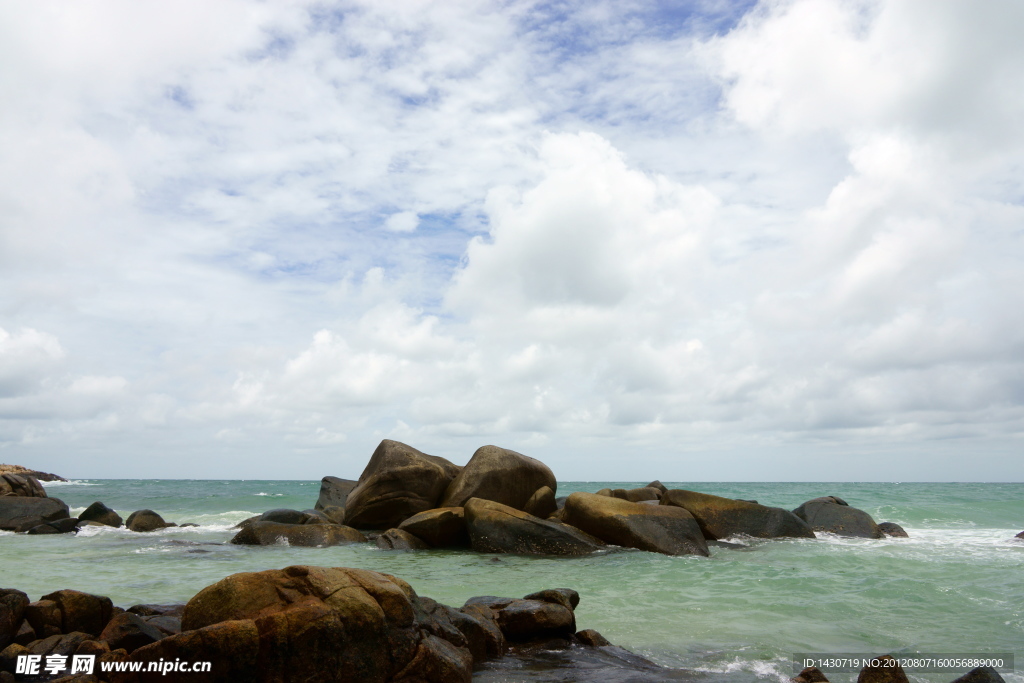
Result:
{"points": [[694, 241]]}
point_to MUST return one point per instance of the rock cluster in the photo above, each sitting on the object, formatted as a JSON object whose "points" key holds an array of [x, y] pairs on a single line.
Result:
{"points": [[298, 623], [25, 471], [504, 502], [40, 514]]}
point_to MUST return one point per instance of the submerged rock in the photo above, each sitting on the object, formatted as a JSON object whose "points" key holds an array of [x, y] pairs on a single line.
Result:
{"points": [[500, 475], [810, 674], [398, 482], [828, 514], [656, 528], [497, 528], [724, 517]]}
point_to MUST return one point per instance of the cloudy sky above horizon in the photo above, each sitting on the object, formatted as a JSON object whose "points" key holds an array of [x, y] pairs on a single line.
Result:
{"points": [[700, 240]]}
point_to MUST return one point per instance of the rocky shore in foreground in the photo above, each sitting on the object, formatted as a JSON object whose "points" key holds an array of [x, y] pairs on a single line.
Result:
{"points": [[327, 625], [302, 623]]}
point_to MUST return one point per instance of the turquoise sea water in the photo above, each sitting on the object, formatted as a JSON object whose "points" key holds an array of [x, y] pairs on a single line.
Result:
{"points": [[956, 586]]}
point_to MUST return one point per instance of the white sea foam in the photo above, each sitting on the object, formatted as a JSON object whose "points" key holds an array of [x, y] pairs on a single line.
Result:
{"points": [[270, 495], [70, 482]]}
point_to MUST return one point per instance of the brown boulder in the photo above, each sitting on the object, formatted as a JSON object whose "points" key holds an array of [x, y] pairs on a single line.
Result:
{"points": [[12, 613], [525, 620], [541, 503], [82, 611], [591, 638], [497, 528], [334, 492], [231, 647], [398, 482], [21, 485], [304, 535], [500, 475], [439, 528], [656, 528], [724, 517], [130, 631], [302, 614], [399, 539], [44, 617]]}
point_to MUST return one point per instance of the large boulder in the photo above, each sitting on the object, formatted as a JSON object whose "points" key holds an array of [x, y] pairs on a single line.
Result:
{"points": [[81, 611], [656, 528], [145, 521], [497, 528], [500, 475], [724, 517], [334, 492], [12, 612], [58, 526], [21, 485], [98, 512], [314, 623], [20, 513], [398, 482], [305, 535], [828, 515], [439, 528]]}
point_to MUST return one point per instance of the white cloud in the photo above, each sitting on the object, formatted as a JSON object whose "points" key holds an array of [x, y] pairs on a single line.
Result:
{"points": [[262, 230]]}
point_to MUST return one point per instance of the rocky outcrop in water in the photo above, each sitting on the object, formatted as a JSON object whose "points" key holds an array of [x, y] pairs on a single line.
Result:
{"points": [[21, 485], [25, 471], [311, 624]]}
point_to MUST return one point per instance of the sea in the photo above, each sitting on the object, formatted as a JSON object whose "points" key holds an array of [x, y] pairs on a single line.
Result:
{"points": [[954, 588]]}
